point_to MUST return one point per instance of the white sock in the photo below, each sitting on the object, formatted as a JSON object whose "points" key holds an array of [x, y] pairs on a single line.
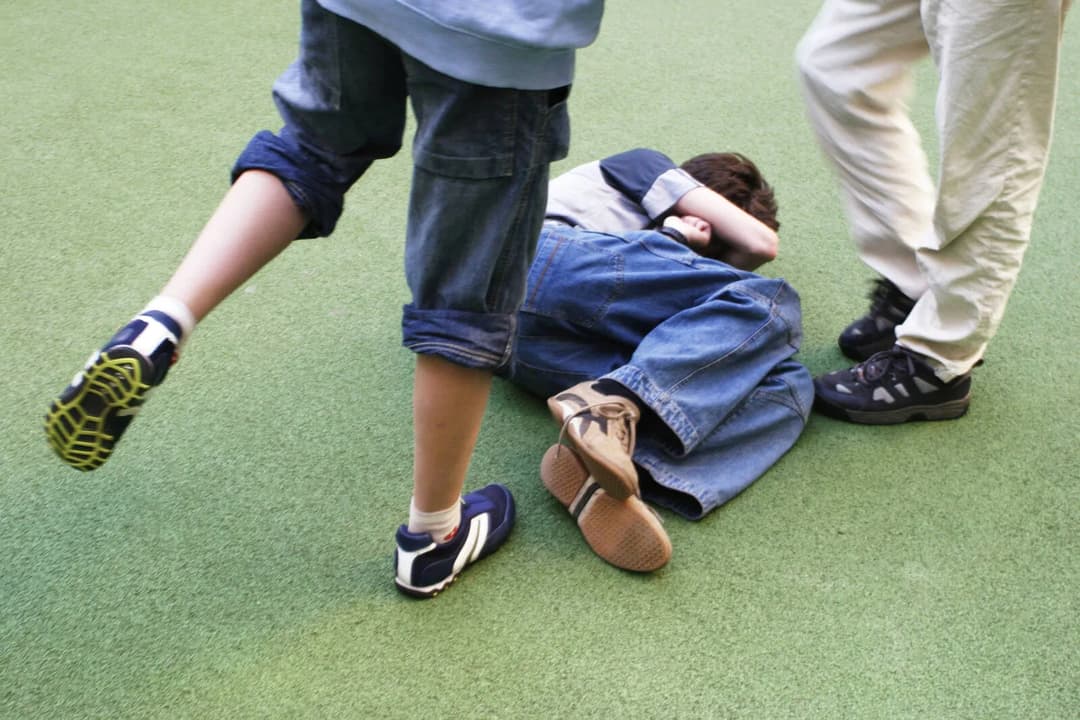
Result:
{"points": [[441, 524], [175, 309]]}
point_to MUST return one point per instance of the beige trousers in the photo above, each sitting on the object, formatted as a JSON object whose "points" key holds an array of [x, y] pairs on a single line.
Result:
{"points": [[955, 245]]}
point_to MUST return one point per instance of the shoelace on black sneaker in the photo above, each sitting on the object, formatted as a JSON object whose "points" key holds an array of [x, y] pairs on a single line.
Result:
{"points": [[885, 362]]}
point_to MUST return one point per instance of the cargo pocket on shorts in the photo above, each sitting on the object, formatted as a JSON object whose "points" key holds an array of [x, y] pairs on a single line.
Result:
{"points": [[572, 280]]}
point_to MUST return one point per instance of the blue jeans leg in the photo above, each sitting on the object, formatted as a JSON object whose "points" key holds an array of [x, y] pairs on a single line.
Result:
{"points": [[741, 447], [343, 104], [705, 346]]}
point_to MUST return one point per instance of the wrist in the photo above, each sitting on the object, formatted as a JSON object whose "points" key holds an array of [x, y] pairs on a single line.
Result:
{"points": [[673, 234]]}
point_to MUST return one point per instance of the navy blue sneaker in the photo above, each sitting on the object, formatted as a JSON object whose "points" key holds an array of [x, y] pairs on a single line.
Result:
{"points": [[85, 422], [893, 386], [875, 331], [423, 567]]}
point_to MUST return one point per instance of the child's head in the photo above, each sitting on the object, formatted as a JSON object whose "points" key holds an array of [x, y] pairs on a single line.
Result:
{"points": [[735, 177]]}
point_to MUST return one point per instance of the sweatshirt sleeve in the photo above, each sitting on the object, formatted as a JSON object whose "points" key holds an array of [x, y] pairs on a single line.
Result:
{"points": [[649, 178]]}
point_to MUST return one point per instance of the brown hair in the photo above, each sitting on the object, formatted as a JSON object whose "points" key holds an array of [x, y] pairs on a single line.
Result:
{"points": [[738, 179]]}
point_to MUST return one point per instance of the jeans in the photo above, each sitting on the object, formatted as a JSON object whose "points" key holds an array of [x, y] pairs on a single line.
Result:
{"points": [[706, 347], [479, 184]]}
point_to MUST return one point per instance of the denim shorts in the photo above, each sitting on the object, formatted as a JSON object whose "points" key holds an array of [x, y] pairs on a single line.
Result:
{"points": [[479, 184]]}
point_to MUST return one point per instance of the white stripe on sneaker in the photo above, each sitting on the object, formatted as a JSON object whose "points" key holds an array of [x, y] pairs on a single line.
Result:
{"points": [[151, 337], [405, 560], [484, 522], [474, 543]]}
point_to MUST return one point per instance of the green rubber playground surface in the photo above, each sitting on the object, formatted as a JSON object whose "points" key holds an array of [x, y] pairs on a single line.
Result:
{"points": [[233, 558]]}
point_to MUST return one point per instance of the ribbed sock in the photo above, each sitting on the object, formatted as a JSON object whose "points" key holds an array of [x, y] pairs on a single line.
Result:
{"points": [[442, 524], [175, 309]]}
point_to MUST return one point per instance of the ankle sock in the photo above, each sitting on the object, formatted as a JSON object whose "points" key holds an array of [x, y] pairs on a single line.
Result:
{"points": [[175, 310], [442, 524]]}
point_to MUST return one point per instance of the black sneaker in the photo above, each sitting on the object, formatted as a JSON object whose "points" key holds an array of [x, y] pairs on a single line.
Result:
{"points": [[876, 330], [84, 423], [890, 387]]}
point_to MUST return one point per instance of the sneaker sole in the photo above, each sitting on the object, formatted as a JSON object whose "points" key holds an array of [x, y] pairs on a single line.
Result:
{"points": [[424, 593], [913, 413], [76, 426], [624, 533], [610, 477]]}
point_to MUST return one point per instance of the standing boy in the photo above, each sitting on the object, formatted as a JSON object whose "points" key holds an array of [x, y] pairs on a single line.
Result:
{"points": [[488, 84]]}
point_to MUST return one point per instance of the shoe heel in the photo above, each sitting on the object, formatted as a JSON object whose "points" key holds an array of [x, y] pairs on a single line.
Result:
{"points": [[562, 473], [625, 533]]}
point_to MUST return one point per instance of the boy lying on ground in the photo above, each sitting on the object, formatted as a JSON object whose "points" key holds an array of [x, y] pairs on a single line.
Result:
{"points": [[666, 361]]}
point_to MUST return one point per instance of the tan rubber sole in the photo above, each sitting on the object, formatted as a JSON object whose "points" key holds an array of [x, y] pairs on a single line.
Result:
{"points": [[624, 533]]}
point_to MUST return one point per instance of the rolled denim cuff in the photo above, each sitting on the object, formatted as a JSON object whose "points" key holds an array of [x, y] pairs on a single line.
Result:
{"points": [[322, 201], [470, 339]]}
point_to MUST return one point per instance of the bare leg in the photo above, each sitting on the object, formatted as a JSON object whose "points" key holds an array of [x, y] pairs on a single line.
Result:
{"points": [[255, 221], [448, 407], [257, 218]]}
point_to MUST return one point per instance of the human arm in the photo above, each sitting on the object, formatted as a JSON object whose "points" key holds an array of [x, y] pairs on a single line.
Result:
{"points": [[739, 239], [651, 181]]}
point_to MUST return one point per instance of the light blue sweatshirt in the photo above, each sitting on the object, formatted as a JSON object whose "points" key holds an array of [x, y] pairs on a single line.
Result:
{"points": [[526, 44]]}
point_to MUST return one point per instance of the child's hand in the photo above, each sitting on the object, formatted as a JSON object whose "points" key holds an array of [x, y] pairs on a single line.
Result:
{"points": [[697, 232], [742, 240]]}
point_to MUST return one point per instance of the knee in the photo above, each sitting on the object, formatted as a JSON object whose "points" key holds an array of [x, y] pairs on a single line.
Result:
{"points": [[825, 74], [792, 384], [772, 301], [316, 181], [775, 294]]}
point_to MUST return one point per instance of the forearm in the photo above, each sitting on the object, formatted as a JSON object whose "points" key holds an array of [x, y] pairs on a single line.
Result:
{"points": [[747, 243]]}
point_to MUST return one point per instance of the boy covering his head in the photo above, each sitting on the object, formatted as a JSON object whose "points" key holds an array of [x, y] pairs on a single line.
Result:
{"points": [[666, 361]]}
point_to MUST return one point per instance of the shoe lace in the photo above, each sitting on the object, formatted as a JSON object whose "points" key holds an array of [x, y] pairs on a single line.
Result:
{"points": [[894, 361], [622, 422]]}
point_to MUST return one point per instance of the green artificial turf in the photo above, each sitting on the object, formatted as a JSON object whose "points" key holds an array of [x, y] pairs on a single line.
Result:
{"points": [[233, 559]]}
